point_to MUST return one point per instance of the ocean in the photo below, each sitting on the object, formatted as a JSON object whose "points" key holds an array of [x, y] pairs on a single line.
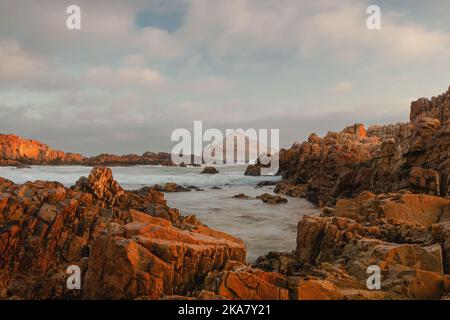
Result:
{"points": [[263, 227]]}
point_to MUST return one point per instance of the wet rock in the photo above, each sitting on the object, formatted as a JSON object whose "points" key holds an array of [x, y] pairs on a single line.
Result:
{"points": [[209, 170], [242, 196], [268, 198], [265, 184]]}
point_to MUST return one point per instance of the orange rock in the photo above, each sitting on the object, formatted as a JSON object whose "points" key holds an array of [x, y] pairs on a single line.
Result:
{"points": [[414, 209], [248, 284], [318, 290]]}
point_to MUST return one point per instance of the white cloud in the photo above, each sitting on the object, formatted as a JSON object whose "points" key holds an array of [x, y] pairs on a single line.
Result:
{"points": [[342, 87], [343, 34]]}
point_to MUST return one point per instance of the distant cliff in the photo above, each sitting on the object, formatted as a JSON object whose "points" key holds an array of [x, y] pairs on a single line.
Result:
{"points": [[17, 151]]}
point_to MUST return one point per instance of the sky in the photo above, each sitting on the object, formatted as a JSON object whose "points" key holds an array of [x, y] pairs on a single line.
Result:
{"points": [[137, 70]]}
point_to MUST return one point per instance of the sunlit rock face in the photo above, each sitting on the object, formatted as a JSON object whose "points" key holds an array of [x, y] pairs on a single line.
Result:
{"points": [[413, 156], [128, 244], [17, 151]]}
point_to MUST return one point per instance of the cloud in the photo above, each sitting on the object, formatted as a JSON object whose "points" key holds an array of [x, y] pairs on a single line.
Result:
{"points": [[124, 77], [341, 87], [16, 64], [229, 62], [210, 85]]}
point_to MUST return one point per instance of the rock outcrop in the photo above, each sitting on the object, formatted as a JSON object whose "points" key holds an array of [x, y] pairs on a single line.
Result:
{"points": [[147, 158], [17, 151], [384, 194], [412, 156], [127, 244], [405, 235]]}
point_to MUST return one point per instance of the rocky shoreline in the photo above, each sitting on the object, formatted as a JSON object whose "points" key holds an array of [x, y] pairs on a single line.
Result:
{"points": [[19, 152], [384, 195]]}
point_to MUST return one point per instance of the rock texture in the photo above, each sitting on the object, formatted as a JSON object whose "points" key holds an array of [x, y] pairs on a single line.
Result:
{"points": [[412, 156], [128, 244], [384, 194], [405, 235], [17, 151]]}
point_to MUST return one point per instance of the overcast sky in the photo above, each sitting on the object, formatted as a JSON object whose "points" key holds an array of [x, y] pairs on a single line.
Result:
{"points": [[137, 70]]}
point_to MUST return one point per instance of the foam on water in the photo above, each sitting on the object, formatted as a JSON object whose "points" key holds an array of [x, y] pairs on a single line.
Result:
{"points": [[263, 227], [137, 176]]}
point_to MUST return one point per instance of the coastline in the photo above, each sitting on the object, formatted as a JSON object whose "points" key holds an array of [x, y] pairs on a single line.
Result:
{"points": [[384, 199]]}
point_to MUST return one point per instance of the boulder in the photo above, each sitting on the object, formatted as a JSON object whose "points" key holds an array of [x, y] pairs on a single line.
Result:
{"points": [[209, 170], [244, 283], [316, 289], [253, 170]]}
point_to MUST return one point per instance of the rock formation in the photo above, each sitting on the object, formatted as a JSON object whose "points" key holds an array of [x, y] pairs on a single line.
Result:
{"points": [[405, 235], [17, 151], [412, 156], [128, 244], [384, 194]]}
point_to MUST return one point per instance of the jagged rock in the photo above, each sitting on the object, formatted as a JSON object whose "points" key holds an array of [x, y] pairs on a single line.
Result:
{"points": [[242, 282], [424, 180], [253, 170], [391, 256], [156, 259], [383, 159], [280, 262], [292, 190], [396, 208], [122, 248]]}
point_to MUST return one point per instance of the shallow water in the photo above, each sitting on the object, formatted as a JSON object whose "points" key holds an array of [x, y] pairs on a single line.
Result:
{"points": [[263, 227]]}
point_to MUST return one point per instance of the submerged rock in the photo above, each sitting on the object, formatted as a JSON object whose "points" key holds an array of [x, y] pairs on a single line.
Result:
{"points": [[268, 198], [242, 196]]}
